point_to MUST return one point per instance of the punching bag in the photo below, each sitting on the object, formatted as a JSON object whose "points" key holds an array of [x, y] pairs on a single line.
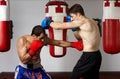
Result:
{"points": [[4, 26], [56, 10], [111, 26]]}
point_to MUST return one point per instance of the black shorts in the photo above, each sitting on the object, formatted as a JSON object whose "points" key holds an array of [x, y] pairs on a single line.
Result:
{"points": [[88, 66]]}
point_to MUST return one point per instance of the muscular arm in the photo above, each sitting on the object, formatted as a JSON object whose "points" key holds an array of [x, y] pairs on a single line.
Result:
{"points": [[77, 36], [66, 25], [22, 50], [58, 43], [77, 45]]}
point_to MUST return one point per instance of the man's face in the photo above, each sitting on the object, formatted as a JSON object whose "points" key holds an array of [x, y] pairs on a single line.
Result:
{"points": [[74, 16]]}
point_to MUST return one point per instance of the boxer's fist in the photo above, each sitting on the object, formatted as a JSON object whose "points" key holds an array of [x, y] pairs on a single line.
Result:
{"points": [[46, 23], [78, 45], [68, 18], [34, 47]]}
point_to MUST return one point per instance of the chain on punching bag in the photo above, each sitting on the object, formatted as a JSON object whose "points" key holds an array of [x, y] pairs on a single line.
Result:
{"points": [[111, 26], [4, 26], [56, 10]]}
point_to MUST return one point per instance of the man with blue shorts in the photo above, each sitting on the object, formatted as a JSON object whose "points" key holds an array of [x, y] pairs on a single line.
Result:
{"points": [[28, 48]]}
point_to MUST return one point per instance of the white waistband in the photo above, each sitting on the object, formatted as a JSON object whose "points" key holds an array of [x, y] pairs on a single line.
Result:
{"points": [[35, 65]]}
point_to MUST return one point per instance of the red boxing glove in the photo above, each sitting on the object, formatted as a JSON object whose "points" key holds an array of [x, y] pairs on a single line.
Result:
{"points": [[78, 45], [34, 47]]}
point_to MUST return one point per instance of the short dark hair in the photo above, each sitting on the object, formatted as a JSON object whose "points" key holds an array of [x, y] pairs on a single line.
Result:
{"points": [[37, 30], [76, 8]]}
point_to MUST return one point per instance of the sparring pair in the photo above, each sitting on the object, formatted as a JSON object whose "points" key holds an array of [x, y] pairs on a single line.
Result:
{"points": [[85, 30], [29, 48]]}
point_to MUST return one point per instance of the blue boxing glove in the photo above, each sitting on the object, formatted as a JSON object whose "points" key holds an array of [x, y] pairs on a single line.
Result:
{"points": [[68, 19], [74, 29], [46, 23]]}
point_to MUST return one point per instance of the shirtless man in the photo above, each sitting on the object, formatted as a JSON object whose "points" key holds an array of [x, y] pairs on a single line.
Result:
{"points": [[84, 29], [29, 47]]}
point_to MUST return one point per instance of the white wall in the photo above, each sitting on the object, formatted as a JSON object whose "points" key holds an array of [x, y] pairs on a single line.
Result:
{"points": [[28, 13]]}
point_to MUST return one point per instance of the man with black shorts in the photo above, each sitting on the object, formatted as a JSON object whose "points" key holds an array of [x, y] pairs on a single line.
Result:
{"points": [[87, 31]]}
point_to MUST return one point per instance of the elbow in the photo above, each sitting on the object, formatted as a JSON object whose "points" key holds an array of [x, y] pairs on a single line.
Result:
{"points": [[23, 61], [56, 27]]}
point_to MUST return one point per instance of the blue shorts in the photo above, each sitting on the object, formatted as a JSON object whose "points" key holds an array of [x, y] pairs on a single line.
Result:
{"points": [[25, 73]]}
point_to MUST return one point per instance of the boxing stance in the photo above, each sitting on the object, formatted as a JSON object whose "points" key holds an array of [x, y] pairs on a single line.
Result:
{"points": [[87, 31], [29, 47]]}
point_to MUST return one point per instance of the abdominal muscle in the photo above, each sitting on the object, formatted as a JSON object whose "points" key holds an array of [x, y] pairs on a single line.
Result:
{"points": [[35, 59], [91, 46], [90, 36]]}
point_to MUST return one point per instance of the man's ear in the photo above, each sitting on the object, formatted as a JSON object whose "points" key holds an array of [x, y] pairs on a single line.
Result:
{"points": [[34, 35], [78, 14]]}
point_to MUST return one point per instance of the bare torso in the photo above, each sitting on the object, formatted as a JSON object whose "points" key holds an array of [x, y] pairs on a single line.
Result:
{"points": [[89, 33], [27, 40]]}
